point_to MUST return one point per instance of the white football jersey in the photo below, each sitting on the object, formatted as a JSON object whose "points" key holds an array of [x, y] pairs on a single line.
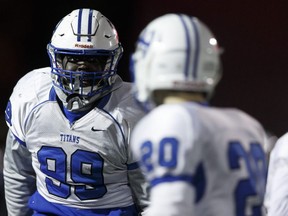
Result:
{"points": [[85, 164], [276, 197], [201, 160]]}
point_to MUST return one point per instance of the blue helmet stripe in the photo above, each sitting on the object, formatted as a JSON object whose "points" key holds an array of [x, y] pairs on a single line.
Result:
{"points": [[188, 42], [90, 24], [79, 25], [197, 48]]}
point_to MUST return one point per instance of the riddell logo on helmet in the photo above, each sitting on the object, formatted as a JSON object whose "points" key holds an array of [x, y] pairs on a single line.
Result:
{"points": [[83, 45]]}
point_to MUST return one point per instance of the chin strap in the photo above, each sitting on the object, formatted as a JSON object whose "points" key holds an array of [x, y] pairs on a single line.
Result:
{"points": [[74, 102]]}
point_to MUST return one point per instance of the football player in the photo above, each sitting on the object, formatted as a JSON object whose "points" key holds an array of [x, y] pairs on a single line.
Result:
{"points": [[67, 150], [276, 200], [198, 159]]}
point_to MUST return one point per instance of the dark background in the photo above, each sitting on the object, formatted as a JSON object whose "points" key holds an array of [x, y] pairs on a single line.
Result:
{"points": [[253, 34]]}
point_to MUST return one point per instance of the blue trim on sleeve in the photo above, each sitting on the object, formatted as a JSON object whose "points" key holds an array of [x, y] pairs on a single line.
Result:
{"points": [[19, 140], [133, 166], [197, 181], [8, 113]]}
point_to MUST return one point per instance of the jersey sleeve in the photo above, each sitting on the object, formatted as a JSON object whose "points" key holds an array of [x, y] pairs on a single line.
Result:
{"points": [[19, 177], [276, 200], [24, 98], [139, 187], [136, 178], [176, 204], [129, 117], [137, 181], [15, 111]]}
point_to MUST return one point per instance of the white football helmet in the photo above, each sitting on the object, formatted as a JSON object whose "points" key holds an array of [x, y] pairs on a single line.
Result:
{"points": [[175, 52], [89, 34]]}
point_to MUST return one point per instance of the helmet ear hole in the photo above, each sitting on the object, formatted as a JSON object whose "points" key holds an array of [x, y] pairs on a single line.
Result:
{"points": [[84, 35]]}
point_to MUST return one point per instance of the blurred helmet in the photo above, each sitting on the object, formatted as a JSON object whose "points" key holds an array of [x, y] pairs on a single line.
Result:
{"points": [[84, 35], [175, 52]]}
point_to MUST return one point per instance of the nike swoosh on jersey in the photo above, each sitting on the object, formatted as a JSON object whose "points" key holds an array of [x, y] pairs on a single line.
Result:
{"points": [[93, 129]]}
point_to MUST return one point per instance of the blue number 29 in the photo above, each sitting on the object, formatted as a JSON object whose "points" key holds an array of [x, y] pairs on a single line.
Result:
{"points": [[255, 163]]}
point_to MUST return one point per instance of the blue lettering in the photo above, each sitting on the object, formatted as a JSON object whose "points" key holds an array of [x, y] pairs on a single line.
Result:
{"points": [[69, 138]]}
